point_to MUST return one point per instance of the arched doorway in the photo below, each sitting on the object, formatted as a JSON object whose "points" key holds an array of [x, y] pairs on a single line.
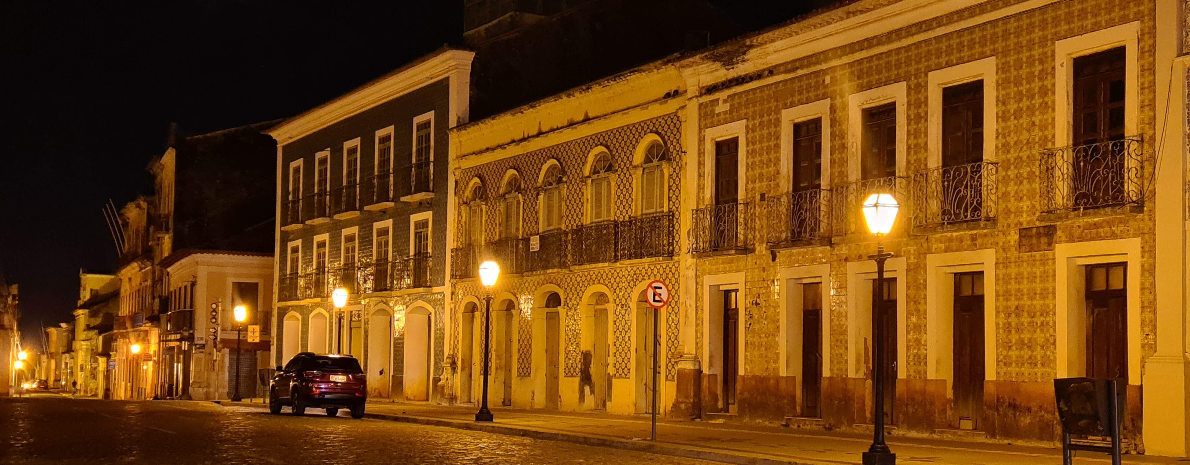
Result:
{"points": [[418, 327], [642, 316], [291, 334], [503, 349], [468, 323], [553, 349], [318, 331], [594, 379], [380, 343]]}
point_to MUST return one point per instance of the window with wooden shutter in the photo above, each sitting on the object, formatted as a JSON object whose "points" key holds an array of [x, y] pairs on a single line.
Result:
{"points": [[349, 249], [601, 169], [512, 216], [476, 224], [551, 198], [652, 180]]}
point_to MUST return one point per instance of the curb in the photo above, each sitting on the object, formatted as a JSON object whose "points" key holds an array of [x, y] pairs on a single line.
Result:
{"points": [[673, 450]]}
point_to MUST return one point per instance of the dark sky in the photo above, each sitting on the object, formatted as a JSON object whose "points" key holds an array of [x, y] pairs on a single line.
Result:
{"points": [[89, 90]]}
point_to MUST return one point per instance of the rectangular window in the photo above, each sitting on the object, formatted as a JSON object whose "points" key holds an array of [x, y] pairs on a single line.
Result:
{"points": [[1107, 321], [384, 154], [295, 182], [727, 154], [807, 155], [652, 189], [320, 255], [295, 257], [601, 198], [349, 249], [550, 211], [422, 142], [475, 233], [512, 217], [962, 124], [351, 166], [383, 249], [322, 179], [1099, 97], [421, 237], [880, 142]]}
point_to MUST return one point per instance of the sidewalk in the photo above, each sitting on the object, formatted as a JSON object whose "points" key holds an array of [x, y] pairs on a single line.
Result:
{"points": [[730, 443]]}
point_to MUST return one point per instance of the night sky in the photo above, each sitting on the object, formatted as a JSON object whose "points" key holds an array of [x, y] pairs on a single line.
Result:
{"points": [[90, 88]]}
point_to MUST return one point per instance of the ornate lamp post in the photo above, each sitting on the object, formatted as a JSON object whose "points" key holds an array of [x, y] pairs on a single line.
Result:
{"points": [[489, 271], [339, 298], [241, 314], [880, 211]]}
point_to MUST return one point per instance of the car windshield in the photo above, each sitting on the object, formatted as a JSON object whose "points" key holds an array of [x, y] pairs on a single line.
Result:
{"points": [[332, 363]]}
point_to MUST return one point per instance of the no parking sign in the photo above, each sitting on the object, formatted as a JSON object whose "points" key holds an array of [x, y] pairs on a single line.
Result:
{"points": [[657, 294]]}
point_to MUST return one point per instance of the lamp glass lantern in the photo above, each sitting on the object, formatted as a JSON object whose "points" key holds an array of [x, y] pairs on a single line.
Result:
{"points": [[22, 355], [18, 364], [135, 348], [489, 272], [339, 297], [240, 313], [880, 211]]}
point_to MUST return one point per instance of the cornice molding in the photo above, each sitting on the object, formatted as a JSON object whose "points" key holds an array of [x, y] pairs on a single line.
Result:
{"points": [[395, 84]]}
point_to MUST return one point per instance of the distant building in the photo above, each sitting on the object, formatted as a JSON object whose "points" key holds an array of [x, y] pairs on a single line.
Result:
{"points": [[94, 319], [10, 339]]}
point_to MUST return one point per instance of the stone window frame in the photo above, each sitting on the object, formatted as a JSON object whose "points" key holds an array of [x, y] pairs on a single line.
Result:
{"points": [[736, 129], [610, 175], [1070, 259], [793, 115], [790, 308], [289, 250], [343, 245], [937, 80], [428, 216], [940, 271], [856, 104], [859, 274], [639, 164]]}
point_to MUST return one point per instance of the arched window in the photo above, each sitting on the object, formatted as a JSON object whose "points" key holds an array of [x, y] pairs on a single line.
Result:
{"points": [[652, 179], [510, 224], [600, 200], [551, 198], [475, 201]]}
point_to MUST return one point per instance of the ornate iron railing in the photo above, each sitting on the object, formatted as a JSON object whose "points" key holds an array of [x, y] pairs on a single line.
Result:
{"points": [[646, 237], [553, 251], [419, 268], [346, 277], [315, 285], [1105, 174], [288, 286], [847, 216], [293, 212], [346, 199], [382, 188], [718, 228], [798, 217], [510, 253], [594, 243], [421, 177], [955, 194], [464, 261], [320, 201]]}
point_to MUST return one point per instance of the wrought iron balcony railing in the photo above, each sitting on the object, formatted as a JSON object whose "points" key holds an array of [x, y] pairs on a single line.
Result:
{"points": [[847, 216], [345, 199], [721, 228], [315, 285], [464, 261], [382, 188], [955, 194], [419, 268], [346, 277], [292, 212], [1105, 174], [798, 217], [594, 243], [553, 251], [510, 253], [646, 237], [421, 177], [320, 204], [288, 287]]}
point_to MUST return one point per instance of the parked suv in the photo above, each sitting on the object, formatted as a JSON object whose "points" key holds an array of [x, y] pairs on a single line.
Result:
{"points": [[330, 382]]}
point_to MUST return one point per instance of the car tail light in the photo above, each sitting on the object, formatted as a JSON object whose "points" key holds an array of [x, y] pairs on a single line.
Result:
{"points": [[312, 374]]}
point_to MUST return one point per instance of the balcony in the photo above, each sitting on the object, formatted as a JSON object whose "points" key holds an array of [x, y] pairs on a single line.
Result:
{"points": [[646, 237], [553, 251], [1094, 176], [321, 211], [421, 182], [288, 286], [847, 216], [721, 228], [955, 195], [510, 253], [179, 321], [346, 277], [798, 218], [396, 275], [314, 285], [382, 192], [594, 243], [291, 213], [464, 261], [345, 202]]}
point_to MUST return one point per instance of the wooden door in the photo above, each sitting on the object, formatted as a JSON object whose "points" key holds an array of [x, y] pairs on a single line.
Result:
{"points": [[727, 194], [1107, 321], [968, 339], [805, 203], [731, 354], [962, 152], [811, 349], [886, 294], [599, 373], [880, 142], [1099, 93], [552, 328]]}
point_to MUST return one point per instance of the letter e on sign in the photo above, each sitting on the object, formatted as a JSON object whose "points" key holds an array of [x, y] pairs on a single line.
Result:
{"points": [[657, 294]]}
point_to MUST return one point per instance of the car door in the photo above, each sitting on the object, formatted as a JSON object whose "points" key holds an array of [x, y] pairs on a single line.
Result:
{"points": [[284, 378]]}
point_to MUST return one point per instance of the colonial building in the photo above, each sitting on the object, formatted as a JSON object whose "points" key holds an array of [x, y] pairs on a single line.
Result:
{"points": [[134, 342], [362, 194], [98, 305], [10, 338]]}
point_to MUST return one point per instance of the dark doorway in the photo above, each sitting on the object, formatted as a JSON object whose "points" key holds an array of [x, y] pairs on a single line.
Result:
{"points": [[552, 355], [968, 349], [880, 142], [731, 354], [1099, 161], [727, 194], [805, 201], [962, 152], [811, 349], [1107, 321], [886, 295]]}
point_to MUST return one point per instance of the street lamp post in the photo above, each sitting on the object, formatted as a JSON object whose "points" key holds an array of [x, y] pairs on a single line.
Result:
{"points": [[880, 211], [339, 298], [135, 349], [488, 272], [241, 314]]}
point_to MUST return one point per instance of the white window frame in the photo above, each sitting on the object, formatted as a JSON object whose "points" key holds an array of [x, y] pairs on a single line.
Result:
{"points": [[318, 157], [940, 271], [427, 116], [860, 277], [789, 117], [314, 258], [343, 244], [610, 198], [299, 163], [413, 219], [638, 179], [790, 337], [1070, 260], [541, 198], [856, 104], [710, 137], [1066, 50], [289, 249], [358, 166], [376, 227], [938, 80]]}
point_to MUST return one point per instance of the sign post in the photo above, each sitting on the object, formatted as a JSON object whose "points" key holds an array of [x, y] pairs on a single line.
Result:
{"points": [[657, 296]]}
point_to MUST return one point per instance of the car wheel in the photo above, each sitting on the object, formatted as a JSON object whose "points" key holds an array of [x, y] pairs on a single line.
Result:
{"points": [[357, 412], [299, 404], [274, 403], [332, 412]]}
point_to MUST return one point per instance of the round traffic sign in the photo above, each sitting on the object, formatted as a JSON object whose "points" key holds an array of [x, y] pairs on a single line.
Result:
{"points": [[657, 294]]}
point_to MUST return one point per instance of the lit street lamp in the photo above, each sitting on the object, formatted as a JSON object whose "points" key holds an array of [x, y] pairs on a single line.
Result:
{"points": [[18, 364], [339, 298], [22, 355], [489, 271], [880, 211], [241, 314], [135, 349]]}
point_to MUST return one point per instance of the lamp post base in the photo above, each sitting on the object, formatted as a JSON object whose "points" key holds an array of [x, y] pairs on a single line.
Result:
{"points": [[484, 416], [879, 457]]}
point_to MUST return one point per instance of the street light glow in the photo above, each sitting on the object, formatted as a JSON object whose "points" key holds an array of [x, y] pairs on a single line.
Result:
{"points": [[489, 271], [339, 297], [18, 364], [135, 348], [22, 355], [880, 211], [241, 313]]}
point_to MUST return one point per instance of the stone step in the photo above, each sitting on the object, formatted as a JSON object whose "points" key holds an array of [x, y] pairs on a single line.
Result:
{"points": [[804, 422], [961, 433]]}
